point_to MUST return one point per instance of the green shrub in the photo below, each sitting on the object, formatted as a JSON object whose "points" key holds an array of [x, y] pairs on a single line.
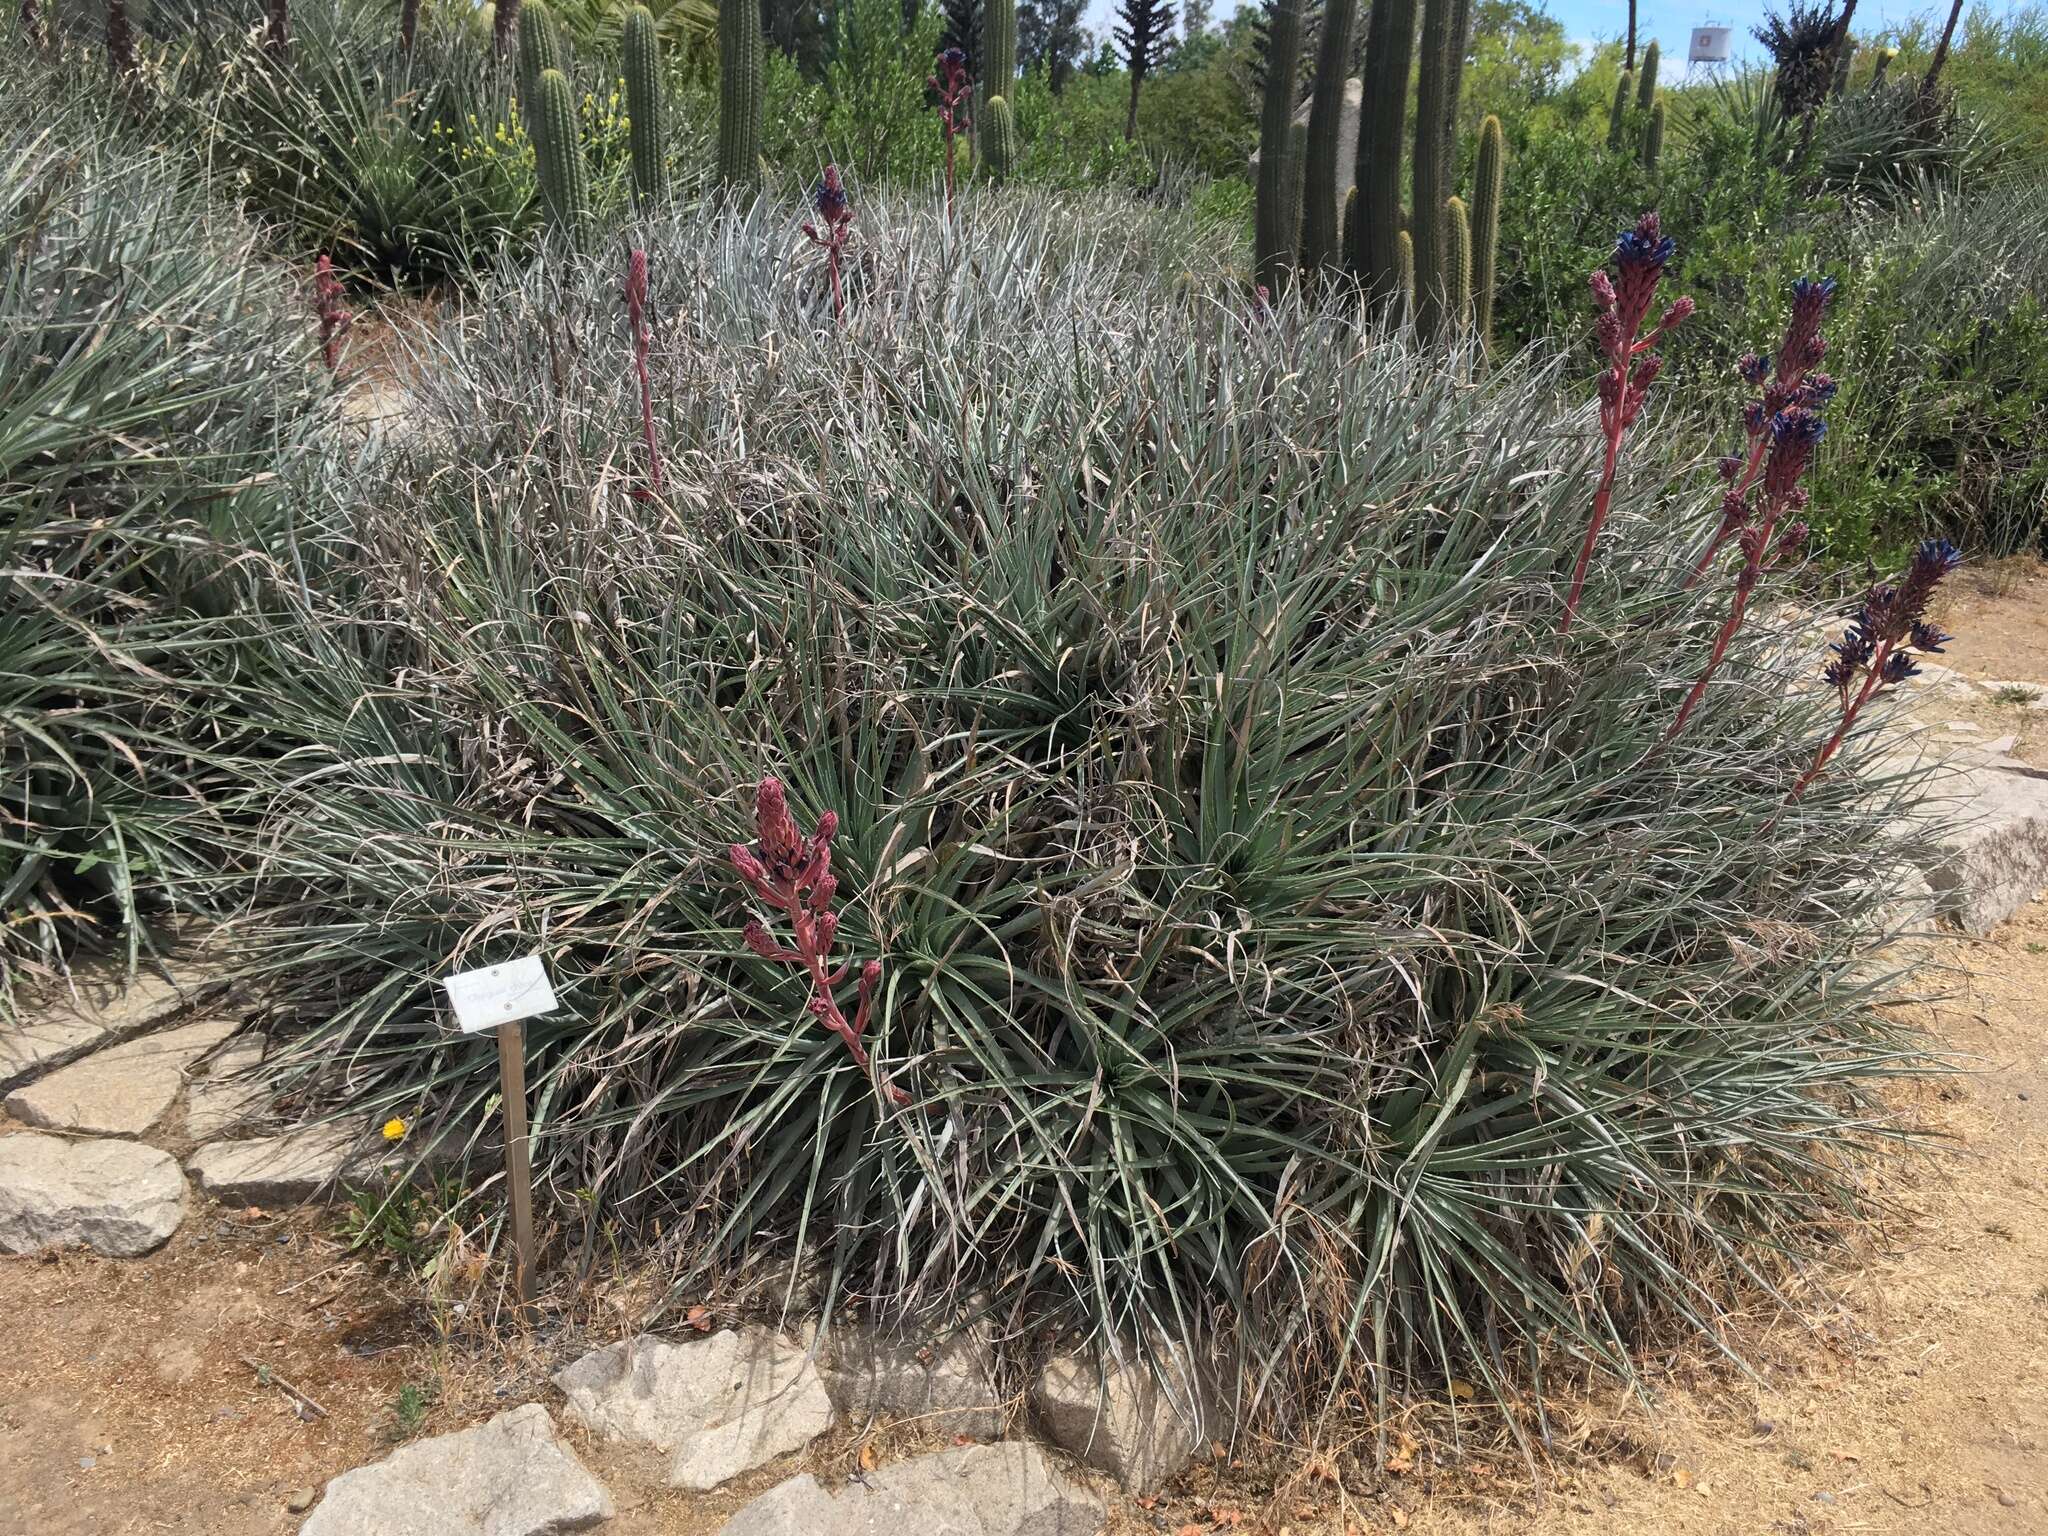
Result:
{"points": [[1287, 943]]}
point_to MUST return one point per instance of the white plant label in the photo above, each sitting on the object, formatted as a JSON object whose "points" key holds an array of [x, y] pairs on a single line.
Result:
{"points": [[498, 994]]}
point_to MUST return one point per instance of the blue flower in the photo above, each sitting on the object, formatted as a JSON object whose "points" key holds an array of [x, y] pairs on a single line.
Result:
{"points": [[1797, 425], [1899, 666], [1813, 290], [1754, 370]]}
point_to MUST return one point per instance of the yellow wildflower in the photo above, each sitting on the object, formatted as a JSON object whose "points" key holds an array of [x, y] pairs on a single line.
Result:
{"points": [[394, 1129]]}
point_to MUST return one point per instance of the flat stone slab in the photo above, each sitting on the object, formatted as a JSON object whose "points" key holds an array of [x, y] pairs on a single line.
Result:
{"points": [[1010, 1489], [121, 1090], [115, 1197], [716, 1407], [1120, 1418], [946, 1382], [510, 1477], [56, 1030], [285, 1169]]}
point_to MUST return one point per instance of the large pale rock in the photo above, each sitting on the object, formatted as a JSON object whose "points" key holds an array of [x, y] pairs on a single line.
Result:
{"points": [[286, 1169], [115, 1197], [1989, 820], [1120, 1417], [976, 1490], [944, 1381], [510, 1477], [53, 1031], [122, 1090], [716, 1407]]}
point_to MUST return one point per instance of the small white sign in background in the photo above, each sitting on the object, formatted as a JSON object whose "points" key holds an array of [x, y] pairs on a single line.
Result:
{"points": [[498, 994]]}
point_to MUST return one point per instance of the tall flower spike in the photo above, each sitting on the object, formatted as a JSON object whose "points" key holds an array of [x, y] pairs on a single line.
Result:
{"points": [[1881, 643], [954, 92], [1640, 256], [636, 322], [830, 233], [792, 873], [332, 313]]}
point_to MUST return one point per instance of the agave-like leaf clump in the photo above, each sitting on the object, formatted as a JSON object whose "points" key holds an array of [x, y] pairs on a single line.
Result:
{"points": [[1289, 944]]}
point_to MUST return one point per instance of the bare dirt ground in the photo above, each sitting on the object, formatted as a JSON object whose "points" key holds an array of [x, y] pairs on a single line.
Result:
{"points": [[1910, 1395]]}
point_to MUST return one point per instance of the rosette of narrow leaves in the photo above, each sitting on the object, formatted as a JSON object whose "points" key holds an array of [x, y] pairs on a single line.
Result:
{"points": [[1260, 922]]}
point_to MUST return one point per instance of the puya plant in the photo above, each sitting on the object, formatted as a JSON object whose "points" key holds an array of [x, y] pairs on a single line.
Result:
{"points": [[791, 873], [1640, 256], [1764, 497], [954, 92], [1883, 643], [830, 232]]}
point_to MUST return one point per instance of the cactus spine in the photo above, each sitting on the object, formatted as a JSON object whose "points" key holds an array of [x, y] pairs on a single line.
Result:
{"points": [[999, 137], [1653, 138], [1646, 85], [540, 49], [558, 154], [1404, 273], [739, 93], [1457, 263], [1389, 50], [1274, 238], [1487, 172], [1432, 162], [1617, 116], [1323, 188], [643, 106]]}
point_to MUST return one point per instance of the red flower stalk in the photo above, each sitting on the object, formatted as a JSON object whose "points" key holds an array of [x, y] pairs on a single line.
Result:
{"points": [[334, 318], [1880, 644], [1794, 383], [954, 95], [793, 874], [1640, 257], [636, 320], [837, 217], [1784, 430]]}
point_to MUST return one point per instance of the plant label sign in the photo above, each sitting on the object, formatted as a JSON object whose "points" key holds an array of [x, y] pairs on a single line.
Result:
{"points": [[500, 994]]}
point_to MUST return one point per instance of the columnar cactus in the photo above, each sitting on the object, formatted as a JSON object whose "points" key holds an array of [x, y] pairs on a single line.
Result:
{"points": [[643, 106], [1352, 257], [1276, 239], [1389, 50], [1290, 192], [1617, 115], [1432, 161], [558, 154], [1653, 137], [999, 140], [739, 93], [998, 56], [1487, 173], [540, 47], [408, 23], [1646, 81], [1457, 227], [1404, 274], [1323, 185]]}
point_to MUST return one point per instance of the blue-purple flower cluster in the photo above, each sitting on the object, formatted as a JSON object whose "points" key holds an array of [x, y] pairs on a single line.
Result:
{"points": [[1890, 630]]}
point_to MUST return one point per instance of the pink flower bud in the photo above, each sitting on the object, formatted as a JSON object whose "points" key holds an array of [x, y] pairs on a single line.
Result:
{"points": [[1679, 312], [759, 940], [1603, 288]]}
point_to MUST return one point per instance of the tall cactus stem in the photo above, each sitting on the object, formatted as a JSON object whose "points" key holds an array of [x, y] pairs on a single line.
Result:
{"points": [[1404, 274], [1617, 115], [1646, 78], [1457, 265], [1432, 161], [1275, 242], [999, 138], [1487, 175], [739, 93], [643, 107], [1389, 52], [558, 154], [1324, 185], [1653, 137], [998, 58]]}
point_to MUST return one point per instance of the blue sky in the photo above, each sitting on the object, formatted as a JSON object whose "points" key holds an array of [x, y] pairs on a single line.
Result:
{"points": [[1670, 21]]}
